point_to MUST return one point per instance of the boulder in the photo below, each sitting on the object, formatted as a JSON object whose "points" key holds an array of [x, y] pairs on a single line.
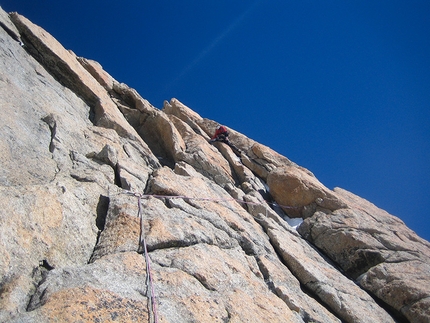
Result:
{"points": [[299, 193]]}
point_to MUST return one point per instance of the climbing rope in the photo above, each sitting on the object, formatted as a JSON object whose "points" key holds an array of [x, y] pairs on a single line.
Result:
{"points": [[150, 293], [152, 305]]}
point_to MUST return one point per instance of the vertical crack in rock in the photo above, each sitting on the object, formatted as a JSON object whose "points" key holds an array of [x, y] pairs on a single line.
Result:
{"points": [[102, 210], [311, 293], [397, 315], [39, 276], [109, 156], [50, 121], [118, 181], [149, 122], [276, 290], [268, 281]]}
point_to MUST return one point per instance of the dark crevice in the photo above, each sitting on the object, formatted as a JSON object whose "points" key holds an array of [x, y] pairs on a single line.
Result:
{"points": [[117, 176], [202, 280], [167, 203], [307, 318], [44, 264], [247, 246], [395, 314], [229, 316], [366, 259], [31, 49], [50, 121], [102, 210], [101, 159], [5, 286], [306, 290], [145, 125], [165, 161], [147, 188], [124, 96], [303, 287], [92, 113], [82, 179], [11, 33], [171, 244], [39, 276], [266, 276]]}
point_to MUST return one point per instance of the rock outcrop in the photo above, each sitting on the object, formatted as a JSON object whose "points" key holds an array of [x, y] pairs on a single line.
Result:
{"points": [[101, 190]]}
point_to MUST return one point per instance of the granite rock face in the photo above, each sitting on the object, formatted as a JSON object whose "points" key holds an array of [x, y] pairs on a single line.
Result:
{"points": [[93, 175], [300, 193]]}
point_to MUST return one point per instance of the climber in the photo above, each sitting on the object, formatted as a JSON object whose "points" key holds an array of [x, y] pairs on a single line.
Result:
{"points": [[221, 134]]}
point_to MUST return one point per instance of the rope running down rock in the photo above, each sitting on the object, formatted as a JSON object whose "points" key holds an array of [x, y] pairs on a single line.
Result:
{"points": [[152, 305]]}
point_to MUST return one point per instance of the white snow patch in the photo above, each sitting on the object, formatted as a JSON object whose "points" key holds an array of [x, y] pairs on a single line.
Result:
{"points": [[293, 222]]}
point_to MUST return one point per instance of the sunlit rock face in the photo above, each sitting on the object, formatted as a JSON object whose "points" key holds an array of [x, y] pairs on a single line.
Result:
{"points": [[101, 190]]}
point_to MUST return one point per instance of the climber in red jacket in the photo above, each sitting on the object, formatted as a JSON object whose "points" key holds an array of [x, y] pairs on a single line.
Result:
{"points": [[221, 134]]}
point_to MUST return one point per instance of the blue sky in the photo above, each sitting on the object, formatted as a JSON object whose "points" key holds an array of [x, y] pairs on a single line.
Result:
{"points": [[339, 87]]}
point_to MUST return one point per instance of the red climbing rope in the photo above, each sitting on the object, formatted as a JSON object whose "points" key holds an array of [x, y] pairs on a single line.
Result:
{"points": [[152, 304]]}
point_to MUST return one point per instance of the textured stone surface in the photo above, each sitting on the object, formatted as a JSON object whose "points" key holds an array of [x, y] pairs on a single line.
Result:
{"points": [[378, 251], [339, 293], [90, 170], [299, 192], [8, 26], [110, 289]]}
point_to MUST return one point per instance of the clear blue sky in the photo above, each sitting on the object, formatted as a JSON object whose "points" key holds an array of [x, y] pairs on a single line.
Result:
{"points": [[339, 87]]}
